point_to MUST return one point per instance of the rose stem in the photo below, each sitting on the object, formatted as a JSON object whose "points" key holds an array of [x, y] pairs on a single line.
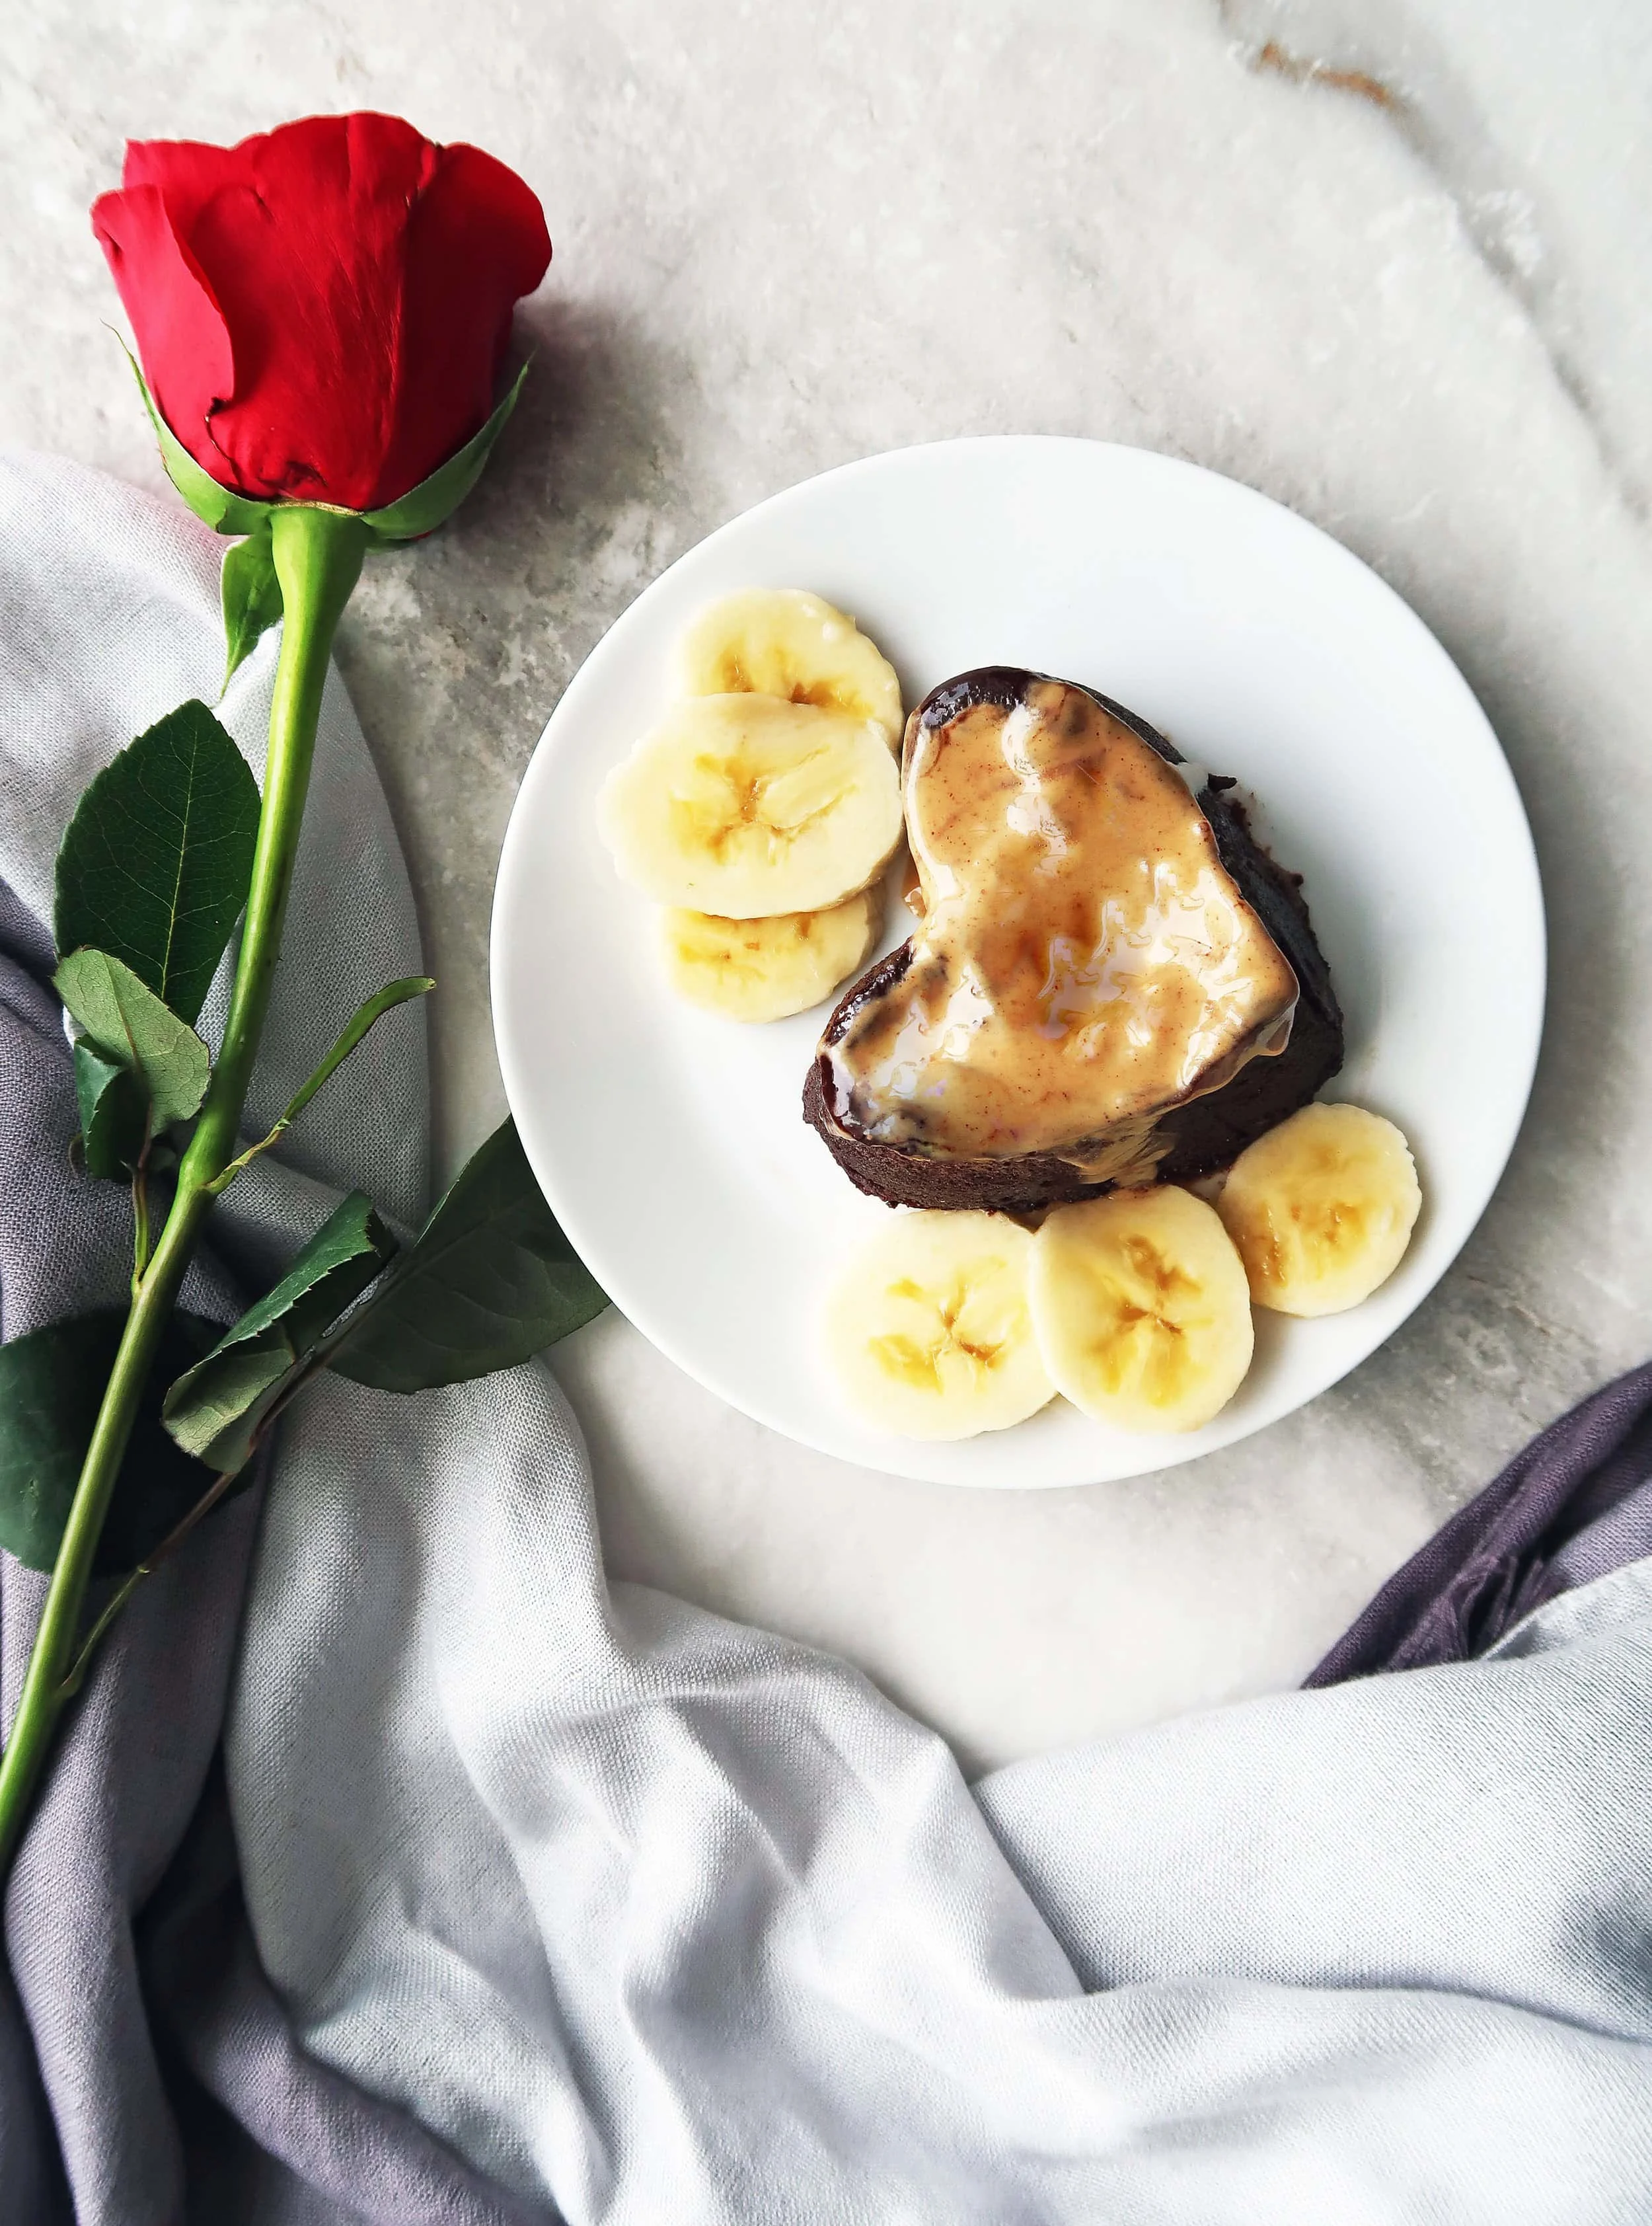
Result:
{"points": [[318, 557]]}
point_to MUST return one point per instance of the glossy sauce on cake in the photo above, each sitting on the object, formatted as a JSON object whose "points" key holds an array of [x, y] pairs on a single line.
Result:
{"points": [[1083, 959]]}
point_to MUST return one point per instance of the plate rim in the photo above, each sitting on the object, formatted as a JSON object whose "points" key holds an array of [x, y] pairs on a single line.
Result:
{"points": [[1159, 1455]]}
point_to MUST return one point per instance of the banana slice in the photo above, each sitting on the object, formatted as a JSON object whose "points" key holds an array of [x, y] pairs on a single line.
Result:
{"points": [[928, 1328], [1141, 1309], [1322, 1209], [764, 969], [746, 806], [783, 641]]}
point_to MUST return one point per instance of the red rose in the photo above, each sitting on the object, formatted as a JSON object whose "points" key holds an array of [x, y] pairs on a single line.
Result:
{"points": [[322, 312]]}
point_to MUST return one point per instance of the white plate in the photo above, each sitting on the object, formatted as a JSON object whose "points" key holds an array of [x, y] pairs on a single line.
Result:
{"points": [[671, 1144]]}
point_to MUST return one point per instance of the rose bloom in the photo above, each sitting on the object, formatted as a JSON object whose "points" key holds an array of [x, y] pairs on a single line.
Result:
{"points": [[322, 312]]}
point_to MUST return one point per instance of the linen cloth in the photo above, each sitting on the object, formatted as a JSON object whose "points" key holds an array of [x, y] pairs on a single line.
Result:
{"points": [[106, 623], [1575, 1506], [564, 1901]]}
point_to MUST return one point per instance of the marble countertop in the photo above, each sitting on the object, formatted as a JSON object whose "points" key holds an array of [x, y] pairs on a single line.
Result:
{"points": [[1387, 260]]}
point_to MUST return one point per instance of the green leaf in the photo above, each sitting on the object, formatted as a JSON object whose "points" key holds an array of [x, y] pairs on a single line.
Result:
{"points": [[223, 510], [114, 1114], [423, 507], [128, 1026], [490, 1281], [251, 595], [217, 1408], [371, 1009], [154, 865], [51, 1384], [374, 1009]]}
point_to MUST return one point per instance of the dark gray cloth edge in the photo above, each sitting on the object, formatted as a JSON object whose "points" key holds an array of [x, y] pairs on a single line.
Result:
{"points": [[1574, 1505]]}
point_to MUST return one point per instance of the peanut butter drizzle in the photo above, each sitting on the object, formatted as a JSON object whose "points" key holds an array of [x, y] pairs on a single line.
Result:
{"points": [[1083, 962]]}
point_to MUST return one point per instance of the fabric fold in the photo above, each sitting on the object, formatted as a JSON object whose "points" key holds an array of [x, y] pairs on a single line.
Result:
{"points": [[521, 1898], [1574, 1505]]}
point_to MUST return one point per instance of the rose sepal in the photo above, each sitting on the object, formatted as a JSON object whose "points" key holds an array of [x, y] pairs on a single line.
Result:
{"points": [[410, 517], [424, 507], [249, 588], [251, 592], [222, 508]]}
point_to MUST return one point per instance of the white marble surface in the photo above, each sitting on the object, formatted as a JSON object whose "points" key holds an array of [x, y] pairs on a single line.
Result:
{"points": [[1386, 259]]}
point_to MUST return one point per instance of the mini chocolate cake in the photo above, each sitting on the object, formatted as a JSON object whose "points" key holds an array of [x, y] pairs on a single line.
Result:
{"points": [[1111, 983]]}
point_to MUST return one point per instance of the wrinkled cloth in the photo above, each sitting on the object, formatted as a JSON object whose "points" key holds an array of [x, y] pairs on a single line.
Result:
{"points": [[521, 1897], [133, 2004], [1574, 1505]]}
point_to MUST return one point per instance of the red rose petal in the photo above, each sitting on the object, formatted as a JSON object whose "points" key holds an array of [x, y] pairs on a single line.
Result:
{"points": [[476, 242], [306, 255], [182, 338], [186, 170], [361, 279]]}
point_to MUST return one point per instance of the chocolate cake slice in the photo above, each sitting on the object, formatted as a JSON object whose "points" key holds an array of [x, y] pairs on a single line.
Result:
{"points": [[1111, 983]]}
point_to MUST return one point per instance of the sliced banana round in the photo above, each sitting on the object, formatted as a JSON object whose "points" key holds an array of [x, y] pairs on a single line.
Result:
{"points": [[783, 641], [1140, 1308], [764, 970], [928, 1329], [746, 806], [1322, 1209]]}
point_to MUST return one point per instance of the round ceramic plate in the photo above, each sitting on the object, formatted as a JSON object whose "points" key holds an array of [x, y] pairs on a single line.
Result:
{"points": [[671, 1144]]}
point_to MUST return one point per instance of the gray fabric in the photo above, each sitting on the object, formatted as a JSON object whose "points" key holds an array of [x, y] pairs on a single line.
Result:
{"points": [[1573, 1505], [107, 603], [665, 1919], [646, 1916]]}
